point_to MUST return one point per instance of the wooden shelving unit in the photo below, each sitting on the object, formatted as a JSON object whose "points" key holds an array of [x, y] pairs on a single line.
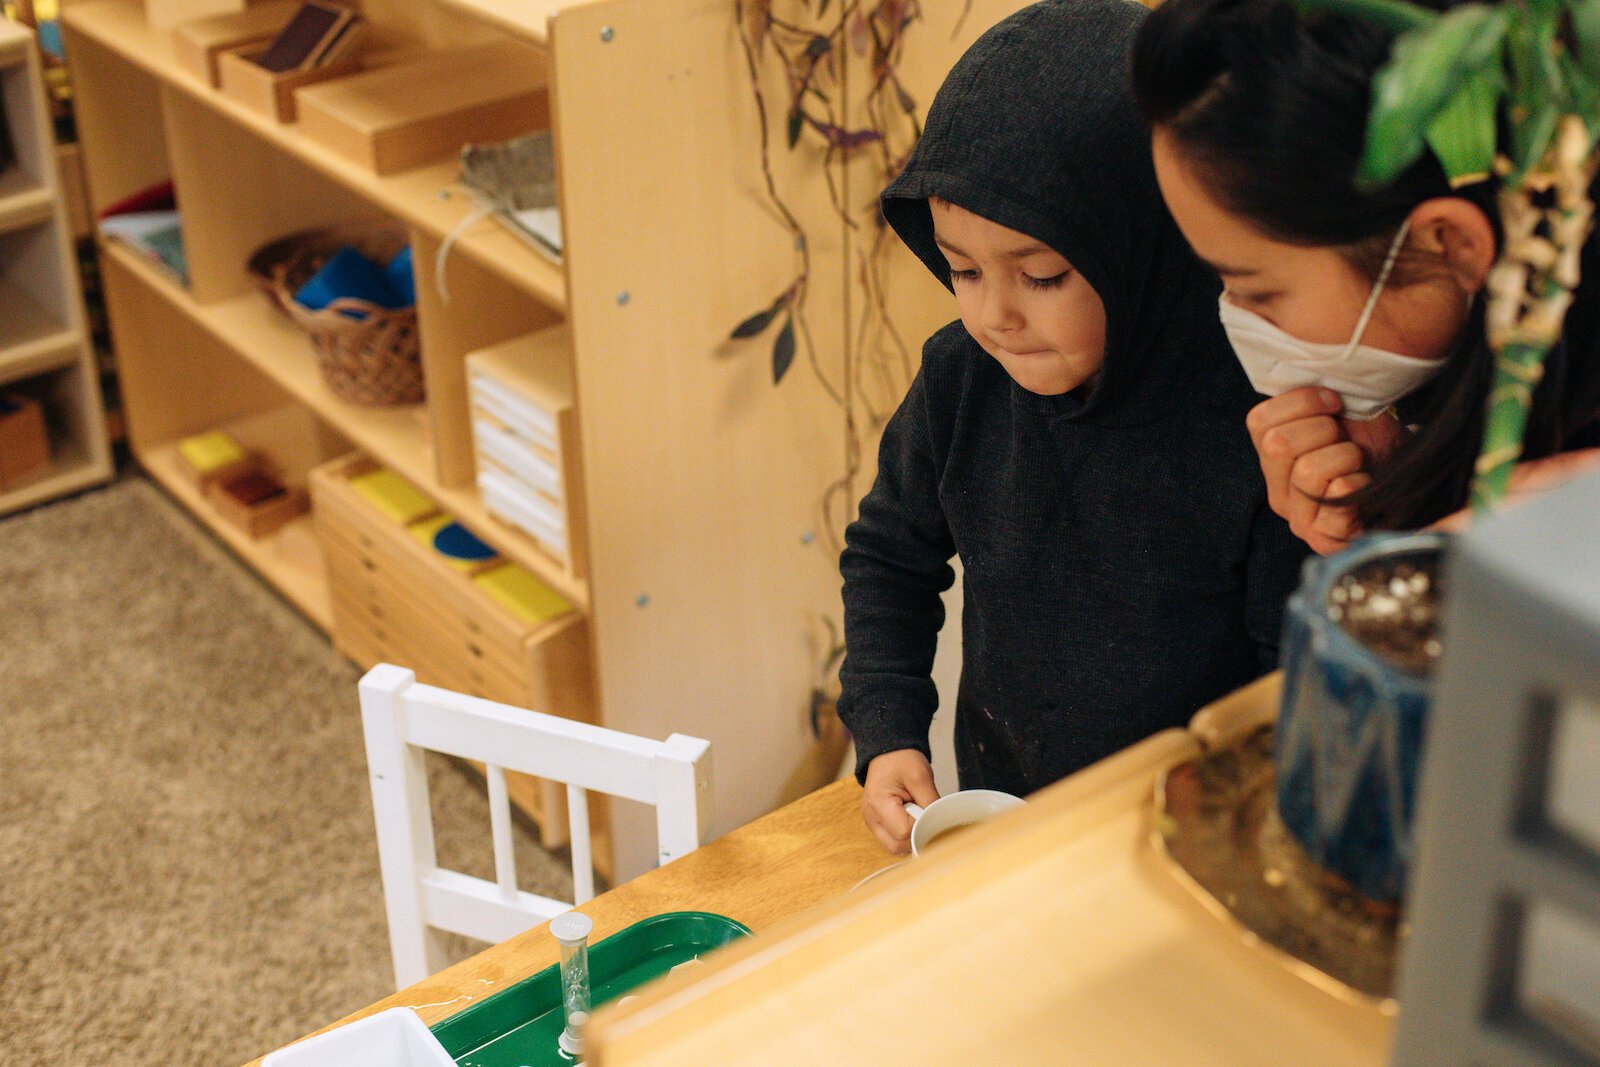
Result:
{"points": [[704, 571], [44, 343]]}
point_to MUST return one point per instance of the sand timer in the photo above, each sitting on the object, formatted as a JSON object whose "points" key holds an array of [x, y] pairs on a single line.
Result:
{"points": [[572, 930]]}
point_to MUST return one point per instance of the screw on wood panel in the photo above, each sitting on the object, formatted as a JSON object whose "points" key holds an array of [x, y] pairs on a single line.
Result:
{"points": [[607, 33], [623, 297], [807, 537], [642, 600]]}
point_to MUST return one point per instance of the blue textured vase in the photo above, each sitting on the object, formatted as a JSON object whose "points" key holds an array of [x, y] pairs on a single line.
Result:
{"points": [[1351, 727]]}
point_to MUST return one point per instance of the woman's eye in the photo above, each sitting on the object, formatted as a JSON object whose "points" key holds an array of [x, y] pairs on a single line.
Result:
{"points": [[1046, 283], [968, 275], [1252, 300]]}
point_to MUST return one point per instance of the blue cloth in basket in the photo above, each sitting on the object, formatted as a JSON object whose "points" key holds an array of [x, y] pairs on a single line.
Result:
{"points": [[399, 275], [348, 273]]}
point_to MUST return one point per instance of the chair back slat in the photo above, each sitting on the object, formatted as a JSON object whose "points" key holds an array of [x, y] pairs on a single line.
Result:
{"points": [[505, 855], [582, 853], [403, 720], [544, 746], [475, 907]]}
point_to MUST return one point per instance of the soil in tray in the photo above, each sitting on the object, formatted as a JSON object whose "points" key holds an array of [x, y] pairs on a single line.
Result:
{"points": [[518, 1026]]}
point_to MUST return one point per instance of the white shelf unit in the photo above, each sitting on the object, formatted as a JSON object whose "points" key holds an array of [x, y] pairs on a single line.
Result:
{"points": [[44, 343]]}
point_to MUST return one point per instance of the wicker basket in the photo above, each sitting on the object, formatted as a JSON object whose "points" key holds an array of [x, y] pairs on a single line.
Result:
{"points": [[374, 360]]}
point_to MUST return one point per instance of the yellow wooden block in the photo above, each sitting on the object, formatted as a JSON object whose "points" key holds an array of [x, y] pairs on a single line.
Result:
{"points": [[208, 452], [525, 596], [393, 495]]}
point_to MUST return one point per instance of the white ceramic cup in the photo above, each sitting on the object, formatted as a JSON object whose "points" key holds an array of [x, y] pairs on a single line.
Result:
{"points": [[962, 808]]}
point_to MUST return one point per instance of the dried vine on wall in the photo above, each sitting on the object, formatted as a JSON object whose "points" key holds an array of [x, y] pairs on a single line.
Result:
{"points": [[844, 102]]}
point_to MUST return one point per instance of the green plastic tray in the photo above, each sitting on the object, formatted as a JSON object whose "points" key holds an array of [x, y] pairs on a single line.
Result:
{"points": [[518, 1026]]}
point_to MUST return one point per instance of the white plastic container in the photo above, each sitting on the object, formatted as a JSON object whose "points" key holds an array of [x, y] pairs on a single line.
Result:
{"points": [[393, 1038]]}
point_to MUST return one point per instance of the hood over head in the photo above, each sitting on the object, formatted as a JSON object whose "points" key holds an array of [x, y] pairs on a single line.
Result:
{"points": [[1036, 129]]}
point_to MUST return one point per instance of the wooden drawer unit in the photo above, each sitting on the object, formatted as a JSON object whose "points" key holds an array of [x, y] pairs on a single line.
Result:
{"points": [[525, 435], [396, 598]]}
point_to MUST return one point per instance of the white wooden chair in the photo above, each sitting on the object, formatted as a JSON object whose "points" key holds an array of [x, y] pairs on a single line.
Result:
{"points": [[403, 719]]}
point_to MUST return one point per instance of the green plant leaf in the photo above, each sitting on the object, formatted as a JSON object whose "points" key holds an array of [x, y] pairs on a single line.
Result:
{"points": [[1396, 16], [783, 351], [1586, 34], [797, 123], [1531, 137], [1426, 69], [1462, 136], [1538, 94], [1584, 92]]}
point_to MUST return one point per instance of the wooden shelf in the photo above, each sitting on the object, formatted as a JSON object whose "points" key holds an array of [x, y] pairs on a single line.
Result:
{"points": [[27, 328], [71, 469], [424, 197], [394, 436], [529, 19], [23, 201], [291, 559]]}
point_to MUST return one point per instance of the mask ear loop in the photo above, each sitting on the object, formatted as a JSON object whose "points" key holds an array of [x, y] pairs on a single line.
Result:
{"points": [[1377, 290]]}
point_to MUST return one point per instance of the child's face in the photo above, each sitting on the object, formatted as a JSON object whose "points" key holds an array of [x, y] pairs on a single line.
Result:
{"points": [[1022, 301]]}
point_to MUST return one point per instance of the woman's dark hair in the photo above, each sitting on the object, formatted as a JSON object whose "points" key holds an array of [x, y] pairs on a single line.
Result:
{"points": [[1270, 106]]}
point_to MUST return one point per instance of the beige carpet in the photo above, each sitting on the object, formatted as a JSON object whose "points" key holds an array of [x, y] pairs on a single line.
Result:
{"points": [[187, 866]]}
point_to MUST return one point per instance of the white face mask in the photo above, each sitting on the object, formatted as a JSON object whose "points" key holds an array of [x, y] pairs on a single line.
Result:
{"points": [[1368, 379]]}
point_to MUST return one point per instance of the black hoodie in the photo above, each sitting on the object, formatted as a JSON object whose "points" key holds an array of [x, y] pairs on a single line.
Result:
{"points": [[1122, 568]]}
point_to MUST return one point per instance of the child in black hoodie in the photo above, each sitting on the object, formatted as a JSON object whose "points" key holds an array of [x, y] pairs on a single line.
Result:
{"points": [[1077, 438]]}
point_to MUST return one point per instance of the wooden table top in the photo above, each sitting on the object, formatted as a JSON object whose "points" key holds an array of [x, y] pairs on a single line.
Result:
{"points": [[1058, 933], [781, 864]]}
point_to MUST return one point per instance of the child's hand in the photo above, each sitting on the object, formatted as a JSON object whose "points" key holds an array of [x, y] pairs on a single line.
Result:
{"points": [[895, 779], [1307, 452]]}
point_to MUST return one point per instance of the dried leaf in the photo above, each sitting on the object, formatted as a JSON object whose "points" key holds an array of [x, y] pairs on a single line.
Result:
{"points": [[783, 351], [839, 137], [907, 103], [756, 323], [758, 19], [860, 35]]}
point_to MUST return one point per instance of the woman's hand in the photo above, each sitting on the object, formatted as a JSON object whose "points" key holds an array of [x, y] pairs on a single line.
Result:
{"points": [[1308, 452], [1530, 479], [894, 780]]}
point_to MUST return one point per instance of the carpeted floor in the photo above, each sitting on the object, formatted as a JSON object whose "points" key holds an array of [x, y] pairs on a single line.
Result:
{"points": [[187, 866]]}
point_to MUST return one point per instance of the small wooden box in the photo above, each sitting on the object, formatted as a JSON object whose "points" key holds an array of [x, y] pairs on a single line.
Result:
{"points": [[258, 519], [261, 90], [24, 444], [204, 458], [199, 43], [163, 13], [412, 113]]}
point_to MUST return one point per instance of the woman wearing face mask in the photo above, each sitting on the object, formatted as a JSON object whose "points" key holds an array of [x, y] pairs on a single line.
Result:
{"points": [[1359, 312]]}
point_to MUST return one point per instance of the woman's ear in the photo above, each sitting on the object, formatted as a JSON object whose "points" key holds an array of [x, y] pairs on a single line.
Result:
{"points": [[1458, 232]]}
